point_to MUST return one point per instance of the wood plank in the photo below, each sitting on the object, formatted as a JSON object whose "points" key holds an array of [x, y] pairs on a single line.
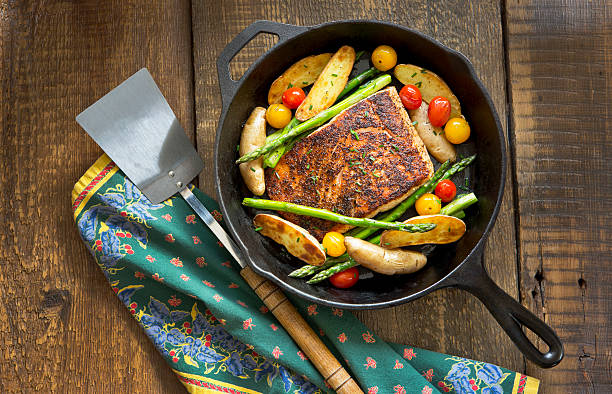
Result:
{"points": [[63, 329], [559, 71], [449, 320]]}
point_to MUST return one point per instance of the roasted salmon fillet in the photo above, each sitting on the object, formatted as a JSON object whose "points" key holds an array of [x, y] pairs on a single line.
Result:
{"points": [[366, 160]]}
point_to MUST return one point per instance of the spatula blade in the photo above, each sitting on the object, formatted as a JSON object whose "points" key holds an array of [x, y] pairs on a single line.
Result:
{"points": [[137, 129]]}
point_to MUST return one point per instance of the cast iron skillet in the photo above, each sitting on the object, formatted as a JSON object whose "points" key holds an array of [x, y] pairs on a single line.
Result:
{"points": [[459, 265]]}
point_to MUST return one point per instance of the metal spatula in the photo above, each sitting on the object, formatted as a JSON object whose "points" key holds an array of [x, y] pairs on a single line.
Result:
{"points": [[136, 128]]}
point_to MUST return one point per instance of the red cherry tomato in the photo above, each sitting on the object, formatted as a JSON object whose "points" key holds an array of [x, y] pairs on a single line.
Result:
{"points": [[411, 97], [439, 111], [293, 97], [446, 190], [345, 279]]}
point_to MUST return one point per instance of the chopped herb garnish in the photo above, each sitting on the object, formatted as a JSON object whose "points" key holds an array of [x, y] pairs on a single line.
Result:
{"points": [[352, 149], [309, 152], [290, 85], [423, 71], [305, 66], [386, 244], [298, 239], [461, 157], [376, 175], [358, 190], [354, 164], [467, 182], [314, 178], [304, 83], [415, 123], [358, 183], [318, 194], [395, 147], [259, 229], [435, 132], [307, 166], [381, 146], [418, 84], [332, 83], [412, 76], [334, 75], [362, 170], [365, 114], [355, 134], [309, 108], [371, 158], [276, 173], [449, 229], [252, 169]]}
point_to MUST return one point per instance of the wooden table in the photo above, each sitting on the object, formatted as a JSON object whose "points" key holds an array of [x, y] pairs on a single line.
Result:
{"points": [[547, 65]]}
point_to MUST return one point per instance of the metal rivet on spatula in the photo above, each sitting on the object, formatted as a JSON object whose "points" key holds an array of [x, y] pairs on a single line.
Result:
{"points": [[179, 184]]}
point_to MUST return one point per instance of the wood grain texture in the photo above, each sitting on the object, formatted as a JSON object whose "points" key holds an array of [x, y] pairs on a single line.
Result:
{"points": [[447, 321], [309, 342], [560, 70], [63, 329]]}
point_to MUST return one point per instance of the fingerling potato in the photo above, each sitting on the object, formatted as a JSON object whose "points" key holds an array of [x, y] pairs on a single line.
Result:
{"points": [[297, 240], [433, 137], [253, 136], [448, 229], [329, 85], [430, 85], [384, 261], [301, 74]]}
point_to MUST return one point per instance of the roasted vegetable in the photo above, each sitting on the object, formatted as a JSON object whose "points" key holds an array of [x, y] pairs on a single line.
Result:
{"points": [[253, 136], [336, 268], [457, 130], [459, 204], [333, 243], [370, 88], [297, 240], [345, 279], [428, 204], [384, 261], [428, 83], [358, 80], [283, 206], [384, 57], [433, 137], [449, 229], [328, 85], [278, 116], [272, 158], [301, 74]]}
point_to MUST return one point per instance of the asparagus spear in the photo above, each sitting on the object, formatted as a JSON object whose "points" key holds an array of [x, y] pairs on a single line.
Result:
{"points": [[308, 270], [283, 206], [272, 158], [322, 275], [359, 79], [372, 87], [459, 204]]}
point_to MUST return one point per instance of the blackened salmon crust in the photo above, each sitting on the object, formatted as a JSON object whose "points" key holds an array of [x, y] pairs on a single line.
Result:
{"points": [[367, 159]]}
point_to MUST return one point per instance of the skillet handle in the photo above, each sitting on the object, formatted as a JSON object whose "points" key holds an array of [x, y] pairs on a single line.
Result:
{"points": [[283, 31], [511, 316]]}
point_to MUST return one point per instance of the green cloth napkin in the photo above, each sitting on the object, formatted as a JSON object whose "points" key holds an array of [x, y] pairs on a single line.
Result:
{"points": [[185, 290]]}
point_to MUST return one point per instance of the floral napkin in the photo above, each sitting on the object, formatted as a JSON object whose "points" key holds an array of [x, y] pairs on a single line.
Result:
{"points": [[185, 290]]}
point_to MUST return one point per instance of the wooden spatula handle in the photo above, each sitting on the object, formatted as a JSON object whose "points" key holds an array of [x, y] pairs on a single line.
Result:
{"points": [[310, 343]]}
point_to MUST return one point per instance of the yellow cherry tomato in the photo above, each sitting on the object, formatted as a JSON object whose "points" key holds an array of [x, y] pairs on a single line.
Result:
{"points": [[278, 116], [333, 242], [428, 204], [384, 58], [457, 130]]}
